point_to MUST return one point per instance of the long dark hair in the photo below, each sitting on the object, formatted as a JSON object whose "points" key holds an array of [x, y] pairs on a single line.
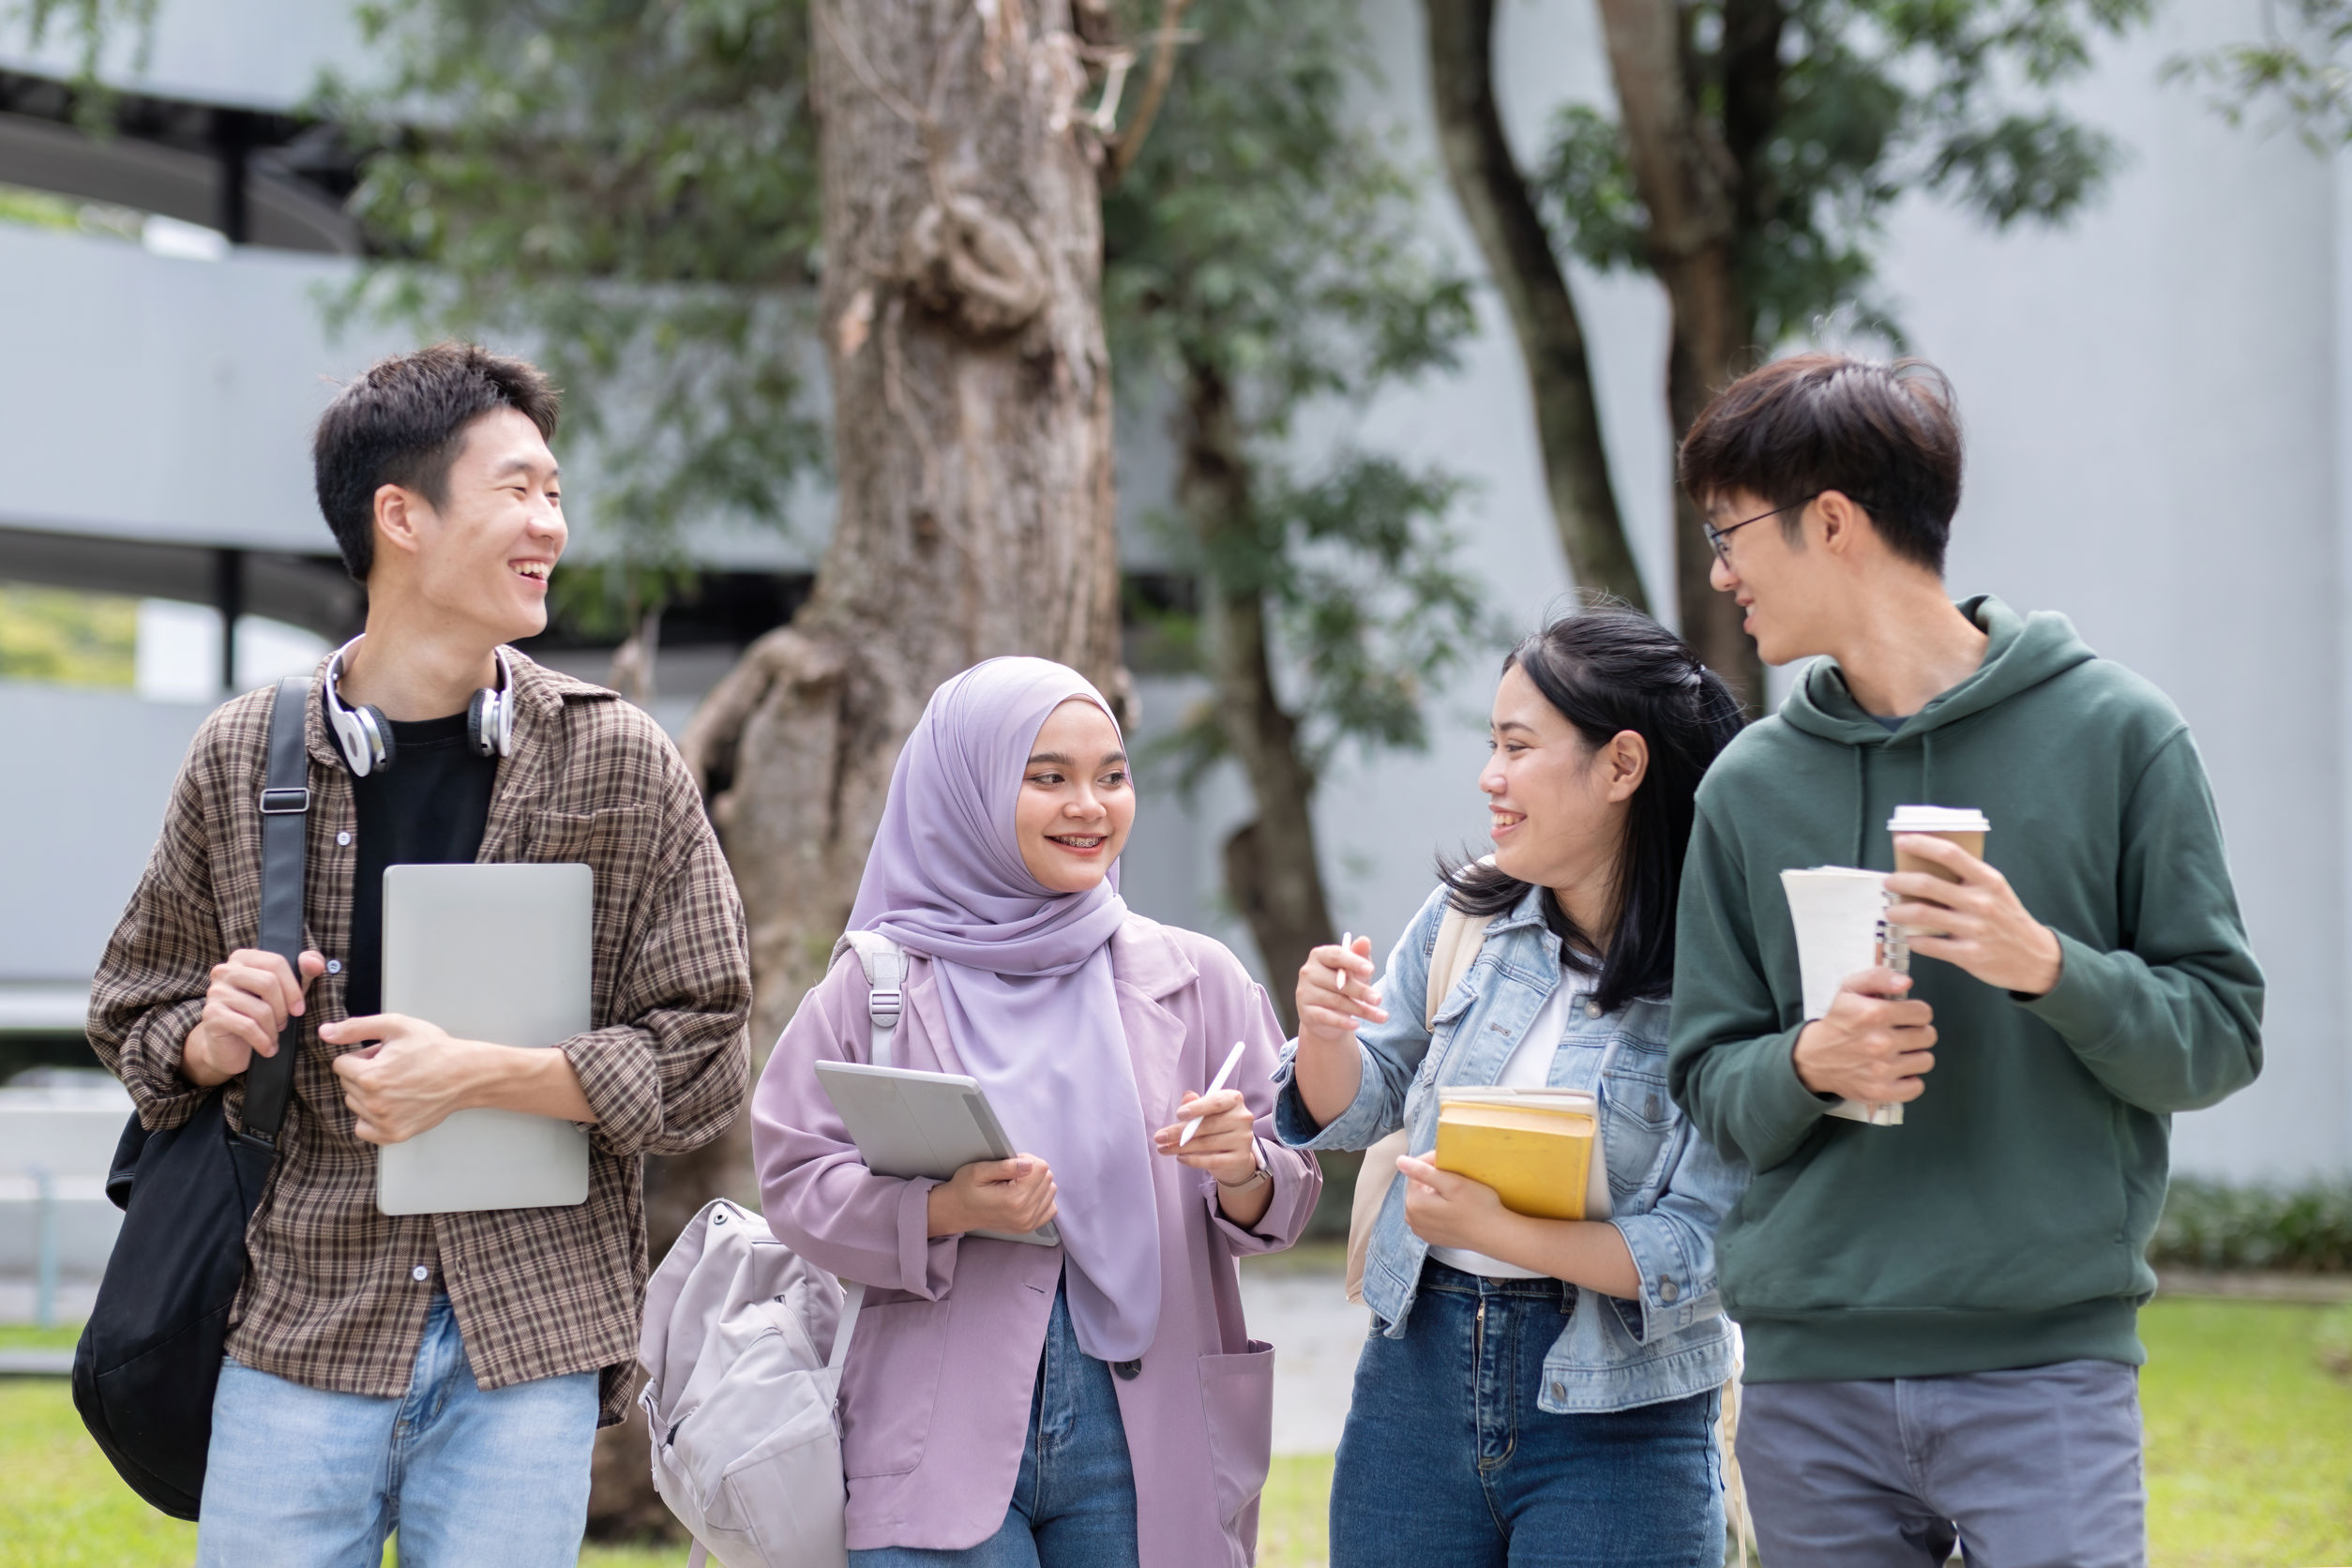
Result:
{"points": [[1607, 670]]}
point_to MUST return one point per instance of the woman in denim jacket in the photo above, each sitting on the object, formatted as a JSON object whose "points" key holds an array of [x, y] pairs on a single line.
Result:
{"points": [[1538, 1391]]}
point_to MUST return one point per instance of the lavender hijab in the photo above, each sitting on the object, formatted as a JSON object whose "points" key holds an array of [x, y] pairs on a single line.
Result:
{"points": [[1024, 979]]}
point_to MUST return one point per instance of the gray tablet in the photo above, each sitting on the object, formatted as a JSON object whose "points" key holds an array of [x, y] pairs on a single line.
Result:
{"points": [[911, 1124], [497, 953]]}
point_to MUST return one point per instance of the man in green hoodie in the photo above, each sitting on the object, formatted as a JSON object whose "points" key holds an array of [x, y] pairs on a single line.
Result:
{"points": [[1940, 1315]]}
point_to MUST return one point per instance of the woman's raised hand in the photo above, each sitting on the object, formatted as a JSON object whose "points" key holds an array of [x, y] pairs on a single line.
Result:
{"points": [[1014, 1194], [1335, 994]]}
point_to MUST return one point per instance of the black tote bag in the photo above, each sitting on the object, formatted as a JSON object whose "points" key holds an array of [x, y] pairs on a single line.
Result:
{"points": [[149, 1357]]}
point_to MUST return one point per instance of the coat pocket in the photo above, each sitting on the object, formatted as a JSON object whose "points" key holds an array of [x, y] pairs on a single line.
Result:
{"points": [[890, 1386], [1237, 1394]]}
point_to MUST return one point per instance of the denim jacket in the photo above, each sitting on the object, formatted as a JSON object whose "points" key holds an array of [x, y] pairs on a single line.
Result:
{"points": [[1669, 1188]]}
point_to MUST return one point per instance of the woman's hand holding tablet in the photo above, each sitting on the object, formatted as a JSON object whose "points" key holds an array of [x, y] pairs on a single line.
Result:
{"points": [[1014, 1194]]}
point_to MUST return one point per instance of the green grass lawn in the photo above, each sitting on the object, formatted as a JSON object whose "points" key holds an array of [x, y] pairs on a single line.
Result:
{"points": [[2249, 1459]]}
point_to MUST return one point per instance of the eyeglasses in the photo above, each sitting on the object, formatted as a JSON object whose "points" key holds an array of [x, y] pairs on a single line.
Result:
{"points": [[1720, 538]]}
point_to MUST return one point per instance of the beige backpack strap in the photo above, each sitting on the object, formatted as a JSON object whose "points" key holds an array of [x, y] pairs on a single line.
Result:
{"points": [[1459, 937]]}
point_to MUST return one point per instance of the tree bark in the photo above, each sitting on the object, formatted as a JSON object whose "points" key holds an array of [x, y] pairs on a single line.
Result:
{"points": [[961, 314], [1271, 869], [1519, 259], [1690, 182]]}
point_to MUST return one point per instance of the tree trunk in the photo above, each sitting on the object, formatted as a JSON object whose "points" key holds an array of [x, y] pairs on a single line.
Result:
{"points": [[1271, 869], [1689, 181], [1526, 272], [961, 311]]}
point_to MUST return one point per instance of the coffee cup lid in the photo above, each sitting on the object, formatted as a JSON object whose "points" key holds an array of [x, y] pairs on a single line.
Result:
{"points": [[1938, 818]]}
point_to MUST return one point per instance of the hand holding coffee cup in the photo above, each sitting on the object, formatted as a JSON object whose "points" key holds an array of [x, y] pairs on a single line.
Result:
{"points": [[1955, 907], [1872, 1045]]}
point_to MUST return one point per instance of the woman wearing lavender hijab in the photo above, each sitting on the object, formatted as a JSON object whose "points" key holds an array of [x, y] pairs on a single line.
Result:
{"points": [[1097, 1404]]}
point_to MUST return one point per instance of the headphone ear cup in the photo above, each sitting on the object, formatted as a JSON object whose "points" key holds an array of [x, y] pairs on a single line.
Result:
{"points": [[481, 723], [378, 730]]}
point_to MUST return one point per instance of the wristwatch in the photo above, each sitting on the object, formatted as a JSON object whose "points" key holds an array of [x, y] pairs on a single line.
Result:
{"points": [[1261, 1174]]}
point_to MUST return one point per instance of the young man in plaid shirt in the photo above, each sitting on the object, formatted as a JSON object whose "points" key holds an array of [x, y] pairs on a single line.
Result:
{"points": [[440, 1374]]}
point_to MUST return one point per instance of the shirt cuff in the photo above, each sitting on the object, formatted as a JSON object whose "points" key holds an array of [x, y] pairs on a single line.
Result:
{"points": [[2081, 1007], [151, 1066], [926, 1264], [1672, 1297], [617, 1077], [1356, 1127]]}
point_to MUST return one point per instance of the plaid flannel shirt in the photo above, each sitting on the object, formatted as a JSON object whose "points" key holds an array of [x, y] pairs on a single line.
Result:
{"points": [[335, 1293]]}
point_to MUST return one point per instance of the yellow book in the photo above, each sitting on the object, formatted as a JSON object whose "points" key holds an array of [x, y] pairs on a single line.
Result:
{"points": [[1539, 1148]]}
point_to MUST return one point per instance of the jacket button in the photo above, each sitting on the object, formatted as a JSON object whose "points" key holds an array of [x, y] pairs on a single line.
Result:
{"points": [[334, 966], [1592, 1009], [1560, 1391], [420, 1273], [342, 839], [1668, 1289], [1127, 1370]]}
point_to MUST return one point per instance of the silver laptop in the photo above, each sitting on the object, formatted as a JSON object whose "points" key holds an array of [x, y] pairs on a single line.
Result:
{"points": [[497, 953]]}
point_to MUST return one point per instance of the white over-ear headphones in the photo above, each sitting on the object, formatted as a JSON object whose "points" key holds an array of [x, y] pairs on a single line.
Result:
{"points": [[364, 735]]}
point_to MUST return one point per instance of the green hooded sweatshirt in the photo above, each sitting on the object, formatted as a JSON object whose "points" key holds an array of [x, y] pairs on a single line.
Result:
{"points": [[2004, 1223]]}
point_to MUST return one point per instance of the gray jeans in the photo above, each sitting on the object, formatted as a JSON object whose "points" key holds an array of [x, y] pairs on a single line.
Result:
{"points": [[2039, 1467]]}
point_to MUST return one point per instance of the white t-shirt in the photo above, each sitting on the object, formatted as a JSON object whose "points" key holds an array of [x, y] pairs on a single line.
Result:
{"points": [[1530, 1067]]}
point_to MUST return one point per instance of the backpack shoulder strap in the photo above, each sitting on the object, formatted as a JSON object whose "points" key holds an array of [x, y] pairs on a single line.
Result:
{"points": [[1459, 937], [285, 807], [886, 965]]}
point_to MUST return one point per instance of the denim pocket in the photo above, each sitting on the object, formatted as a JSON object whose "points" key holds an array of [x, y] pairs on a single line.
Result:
{"points": [[1237, 1396]]}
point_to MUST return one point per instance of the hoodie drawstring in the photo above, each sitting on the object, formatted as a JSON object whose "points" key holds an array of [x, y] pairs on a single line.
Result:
{"points": [[1862, 802]]}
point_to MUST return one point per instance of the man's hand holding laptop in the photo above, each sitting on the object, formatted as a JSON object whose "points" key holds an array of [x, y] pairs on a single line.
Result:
{"points": [[416, 1075]]}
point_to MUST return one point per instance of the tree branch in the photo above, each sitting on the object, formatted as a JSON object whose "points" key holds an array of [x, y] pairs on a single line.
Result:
{"points": [[1494, 197], [1147, 109]]}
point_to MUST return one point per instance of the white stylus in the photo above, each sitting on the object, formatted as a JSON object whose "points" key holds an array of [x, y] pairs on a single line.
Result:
{"points": [[1231, 1062]]}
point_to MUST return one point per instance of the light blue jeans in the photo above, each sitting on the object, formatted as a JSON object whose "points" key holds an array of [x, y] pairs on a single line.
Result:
{"points": [[301, 1477], [1073, 1504]]}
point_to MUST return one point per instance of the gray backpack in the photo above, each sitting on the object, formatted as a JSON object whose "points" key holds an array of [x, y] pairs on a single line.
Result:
{"points": [[743, 1343]]}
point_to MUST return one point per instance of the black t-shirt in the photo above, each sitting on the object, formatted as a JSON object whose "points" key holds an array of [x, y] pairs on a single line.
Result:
{"points": [[428, 808]]}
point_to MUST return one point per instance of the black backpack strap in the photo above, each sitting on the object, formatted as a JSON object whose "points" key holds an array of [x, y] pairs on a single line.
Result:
{"points": [[285, 805]]}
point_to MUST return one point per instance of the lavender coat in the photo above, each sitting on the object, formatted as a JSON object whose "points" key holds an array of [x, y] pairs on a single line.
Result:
{"points": [[935, 1401]]}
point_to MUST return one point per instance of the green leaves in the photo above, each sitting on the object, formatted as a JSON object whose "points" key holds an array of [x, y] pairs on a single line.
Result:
{"points": [[1356, 566], [2301, 71], [628, 191], [1267, 254], [1873, 100]]}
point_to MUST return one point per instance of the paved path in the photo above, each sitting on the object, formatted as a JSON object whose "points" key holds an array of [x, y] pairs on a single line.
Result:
{"points": [[1316, 1333]]}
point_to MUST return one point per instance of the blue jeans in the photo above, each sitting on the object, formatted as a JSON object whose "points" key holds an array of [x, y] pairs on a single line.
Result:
{"points": [[1446, 1457], [301, 1477], [1074, 1503]]}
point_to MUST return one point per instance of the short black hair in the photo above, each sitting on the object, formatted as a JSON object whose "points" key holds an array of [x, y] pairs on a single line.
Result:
{"points": [[1607, 671], [1885, 434], [404, 422]]}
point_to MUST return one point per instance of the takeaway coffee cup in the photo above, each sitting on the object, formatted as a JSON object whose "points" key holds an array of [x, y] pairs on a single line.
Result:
{"points": [[1961, 825]]}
